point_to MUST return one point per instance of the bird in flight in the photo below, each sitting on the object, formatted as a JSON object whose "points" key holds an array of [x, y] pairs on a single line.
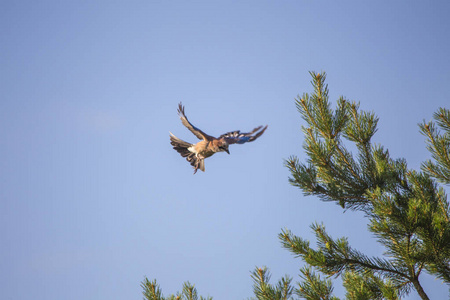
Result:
{"points": [[196, 153]]}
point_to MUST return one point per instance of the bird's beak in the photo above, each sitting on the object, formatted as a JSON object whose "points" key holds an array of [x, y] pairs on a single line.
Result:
{"points": [[227, 151]]}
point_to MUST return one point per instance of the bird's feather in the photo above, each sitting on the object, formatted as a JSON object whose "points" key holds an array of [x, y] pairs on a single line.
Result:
{"points": [[197, 132], [236, 137]]}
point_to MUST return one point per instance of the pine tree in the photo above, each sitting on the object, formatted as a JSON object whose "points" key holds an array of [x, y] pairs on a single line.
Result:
{"points": [[407, 211]]}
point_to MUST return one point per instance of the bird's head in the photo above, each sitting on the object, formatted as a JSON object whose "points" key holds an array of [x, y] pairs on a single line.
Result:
{"points": [[223, 146]]}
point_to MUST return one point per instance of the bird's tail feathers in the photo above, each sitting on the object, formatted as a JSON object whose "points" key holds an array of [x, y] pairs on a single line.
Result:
{"points": [[176, 142], [182, 147]]}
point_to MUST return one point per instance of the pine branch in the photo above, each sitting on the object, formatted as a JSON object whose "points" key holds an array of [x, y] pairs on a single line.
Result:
{"points": [[313, 287], [152, 291], [335, 256], [369, 286], [438, 145], [263, 290]]}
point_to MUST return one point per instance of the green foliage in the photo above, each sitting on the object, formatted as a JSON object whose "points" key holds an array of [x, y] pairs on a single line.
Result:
{"points": [[263, 290], [152, 291], [368, 286], [335, 257], [313, 287], [408, 213], [438, 145]]}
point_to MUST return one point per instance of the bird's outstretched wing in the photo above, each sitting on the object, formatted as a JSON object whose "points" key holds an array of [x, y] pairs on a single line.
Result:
{"points": [[236, 137], [197, 132]]}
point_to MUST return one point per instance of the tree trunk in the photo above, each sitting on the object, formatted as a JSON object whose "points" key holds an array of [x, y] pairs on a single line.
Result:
{"points": [[419, 289]]}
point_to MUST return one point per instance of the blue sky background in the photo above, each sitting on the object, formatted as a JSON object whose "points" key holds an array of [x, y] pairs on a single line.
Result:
{"points": [[92, 196]]}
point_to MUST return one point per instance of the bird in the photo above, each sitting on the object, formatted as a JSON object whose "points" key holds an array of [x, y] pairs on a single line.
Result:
{"points": [[195, 154]]}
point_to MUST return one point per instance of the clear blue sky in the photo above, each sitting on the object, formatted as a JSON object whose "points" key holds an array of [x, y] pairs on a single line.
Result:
{"points": [[92, 196]]}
